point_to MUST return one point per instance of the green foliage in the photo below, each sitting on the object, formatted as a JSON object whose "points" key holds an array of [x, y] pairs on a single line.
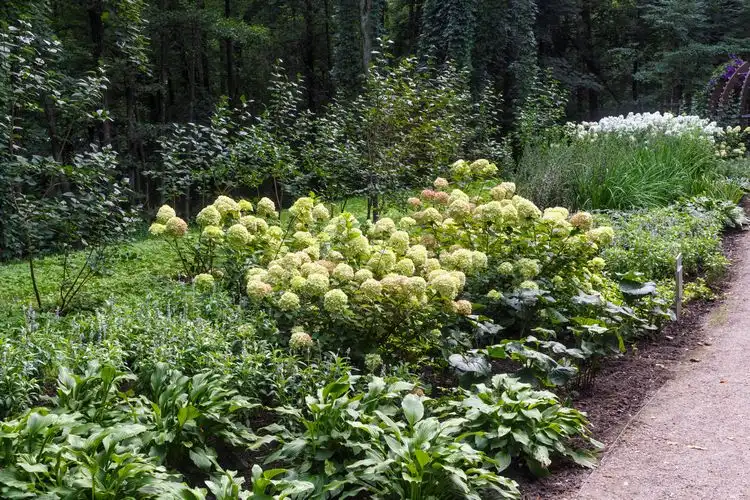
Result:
{"points": [[509, 421], [448, 31], [614, 172], [542, 111], [363, 442], [649, 241], [190, 411], [59, 202], [424, 457]]}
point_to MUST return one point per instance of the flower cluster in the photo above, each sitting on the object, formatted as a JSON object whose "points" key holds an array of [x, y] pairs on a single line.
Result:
{"points": [[640, 125], [227, 231], [731, 143]]}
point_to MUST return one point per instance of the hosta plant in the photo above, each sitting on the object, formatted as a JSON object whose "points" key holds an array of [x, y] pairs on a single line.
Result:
{"points": [[190, 411], [510, 420], [332, 429], [49, 455], [421, 457]]}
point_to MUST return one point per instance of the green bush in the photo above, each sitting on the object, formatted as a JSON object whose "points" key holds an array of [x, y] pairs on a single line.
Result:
{"points": [[509, 420], [648, 241]]}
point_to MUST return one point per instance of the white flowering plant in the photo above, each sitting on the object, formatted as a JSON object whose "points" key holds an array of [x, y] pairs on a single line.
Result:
{"points": [[363, 289], [229, 235], [643, 125], [470, 245], [526, 268]]}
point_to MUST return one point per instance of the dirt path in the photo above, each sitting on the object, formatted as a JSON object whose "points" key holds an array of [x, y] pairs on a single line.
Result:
{"points": [[692, 439]]}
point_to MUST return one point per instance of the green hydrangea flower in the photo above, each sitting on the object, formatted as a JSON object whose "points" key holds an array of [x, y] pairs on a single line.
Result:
{"points": [[266, 208], [317, 284], [164, 214], [362, 275], [213, 234], [602, 236], [418, 254], [258, 289], [320, 213], [289, 301], [175, 228], [245, 206], [209, 216], [343, 272], [404, 266], [204, 282], [335, 301], [300, 341], [445, 285], [157, 229], [238, 237], [227, 206], [527, 268], [371, 288]]}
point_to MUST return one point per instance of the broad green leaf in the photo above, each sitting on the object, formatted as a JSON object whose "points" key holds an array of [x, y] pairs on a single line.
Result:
{"points": [[413, 408]]}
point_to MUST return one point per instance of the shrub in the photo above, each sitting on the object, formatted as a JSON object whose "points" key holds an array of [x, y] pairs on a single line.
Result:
{"points": [[649, 241], [394, 287]]}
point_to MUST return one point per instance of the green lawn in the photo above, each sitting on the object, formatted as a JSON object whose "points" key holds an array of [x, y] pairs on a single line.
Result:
{"points": [[135, 269]]}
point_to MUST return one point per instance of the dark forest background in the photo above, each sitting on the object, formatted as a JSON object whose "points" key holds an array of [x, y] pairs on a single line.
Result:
{"points": [[187, 79]]}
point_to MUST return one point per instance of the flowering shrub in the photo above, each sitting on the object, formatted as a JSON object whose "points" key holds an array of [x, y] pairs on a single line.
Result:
{"points": [[228, 236], [524, 267], [395, 287], [640, 125], [732, 142]]}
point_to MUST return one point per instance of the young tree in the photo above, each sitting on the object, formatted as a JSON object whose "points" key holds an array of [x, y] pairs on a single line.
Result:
{"points": [[62, 201]]}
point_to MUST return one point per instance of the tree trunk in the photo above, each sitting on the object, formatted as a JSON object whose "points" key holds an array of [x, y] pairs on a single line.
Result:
{"points": [[365, 11], [229, 55], [96, 25], [308, 54]]}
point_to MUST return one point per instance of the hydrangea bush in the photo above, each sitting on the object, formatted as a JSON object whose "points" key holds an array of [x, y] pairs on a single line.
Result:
{"points": [[229, 235], [470, 250]]}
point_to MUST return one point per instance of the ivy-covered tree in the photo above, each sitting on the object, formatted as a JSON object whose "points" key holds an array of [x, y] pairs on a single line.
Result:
{"points": [[448, 31]]}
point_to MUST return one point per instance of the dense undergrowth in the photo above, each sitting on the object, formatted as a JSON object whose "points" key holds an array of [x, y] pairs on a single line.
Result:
{"points": [[311, 353]]}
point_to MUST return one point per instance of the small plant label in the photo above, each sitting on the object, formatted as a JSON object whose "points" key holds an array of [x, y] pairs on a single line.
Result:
{"points": [[678, 287]]}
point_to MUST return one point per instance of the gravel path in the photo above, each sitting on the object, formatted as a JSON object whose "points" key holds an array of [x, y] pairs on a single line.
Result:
{"points": [[692, 439]]}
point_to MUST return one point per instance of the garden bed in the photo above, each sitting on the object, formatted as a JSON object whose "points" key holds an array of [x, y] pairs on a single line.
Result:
{"points": [[626, 384]]}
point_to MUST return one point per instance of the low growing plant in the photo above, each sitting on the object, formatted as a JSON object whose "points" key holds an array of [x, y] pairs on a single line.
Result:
{"points": [[511, 421]]}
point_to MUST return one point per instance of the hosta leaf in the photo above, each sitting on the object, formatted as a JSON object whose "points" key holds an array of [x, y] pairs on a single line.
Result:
{"points": [[187, 413], [502, 430], [201, 459], [533, 414], [502, 460], [33, 468], [541, 455], [520, 437], [396, 447], [636, 288], [422, 457], [474, 364], [583, 459], [413, 408]]}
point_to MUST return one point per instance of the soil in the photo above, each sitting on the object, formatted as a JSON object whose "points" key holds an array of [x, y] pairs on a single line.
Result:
{"points": [[627, 386]]}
